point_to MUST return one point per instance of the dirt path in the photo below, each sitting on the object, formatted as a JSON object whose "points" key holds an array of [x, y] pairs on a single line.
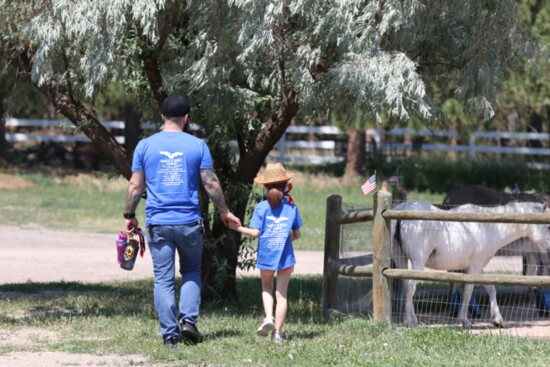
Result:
{"points": [[35, 254]]}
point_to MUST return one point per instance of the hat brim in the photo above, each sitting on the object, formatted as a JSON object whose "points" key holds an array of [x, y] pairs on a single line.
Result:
{"points": [[262, 180]]}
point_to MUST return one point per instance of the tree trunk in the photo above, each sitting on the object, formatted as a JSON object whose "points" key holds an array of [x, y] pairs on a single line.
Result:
{"points": [[88, 122], [78, 114], [132, 129], [409, 142], [220, 260], [3, 143], [453, 141], [535, 125], [355, 154]]}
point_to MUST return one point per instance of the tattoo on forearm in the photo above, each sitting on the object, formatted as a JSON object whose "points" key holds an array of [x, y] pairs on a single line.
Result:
{"points": [[208, 175], [132, 202], [213, 188]]}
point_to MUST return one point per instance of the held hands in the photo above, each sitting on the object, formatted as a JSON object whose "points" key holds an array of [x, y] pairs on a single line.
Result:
{"points": [[234, 226]]}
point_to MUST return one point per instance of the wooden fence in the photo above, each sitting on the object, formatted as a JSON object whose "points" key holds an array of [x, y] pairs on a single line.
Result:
{"points": [[329, 143], [58, 131], [380, 268], [311, 144]]}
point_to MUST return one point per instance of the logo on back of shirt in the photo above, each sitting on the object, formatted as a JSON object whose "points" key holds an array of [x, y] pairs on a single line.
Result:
{"points": [[276, 220], [171, 155]]}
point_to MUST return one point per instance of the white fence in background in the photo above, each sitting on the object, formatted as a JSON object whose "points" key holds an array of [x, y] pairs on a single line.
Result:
{"points": [[329, 149], [472, 148], [385, 141]]}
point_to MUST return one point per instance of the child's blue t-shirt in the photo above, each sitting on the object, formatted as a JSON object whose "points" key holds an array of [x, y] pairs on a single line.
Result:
{"points": [[171, 162], [275, 250]]}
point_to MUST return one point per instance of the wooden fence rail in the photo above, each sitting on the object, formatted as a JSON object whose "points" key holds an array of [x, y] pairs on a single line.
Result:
{"points": [[317, 144], [56, 131]]}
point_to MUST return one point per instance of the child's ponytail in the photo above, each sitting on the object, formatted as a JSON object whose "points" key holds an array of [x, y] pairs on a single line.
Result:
{"points": [[274, 197]]}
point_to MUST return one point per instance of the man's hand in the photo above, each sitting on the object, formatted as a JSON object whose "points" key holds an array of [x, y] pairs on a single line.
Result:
{"points": [[131, 224], [233, 225], [230, 220]]}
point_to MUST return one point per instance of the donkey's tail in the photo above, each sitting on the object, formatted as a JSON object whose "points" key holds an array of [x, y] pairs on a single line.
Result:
{"points": [[398, 255]]}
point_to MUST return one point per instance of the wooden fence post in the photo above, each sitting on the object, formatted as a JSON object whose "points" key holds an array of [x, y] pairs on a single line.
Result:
{"points": [[381, 295], [332, 252]]}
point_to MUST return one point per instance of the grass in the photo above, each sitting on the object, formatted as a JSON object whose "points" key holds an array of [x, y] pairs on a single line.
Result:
{"points": [[94, 203], [76, 202], [118, 318]]}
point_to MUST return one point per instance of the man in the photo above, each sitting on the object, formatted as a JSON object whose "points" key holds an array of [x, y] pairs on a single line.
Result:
{"points": [[169, 164]]}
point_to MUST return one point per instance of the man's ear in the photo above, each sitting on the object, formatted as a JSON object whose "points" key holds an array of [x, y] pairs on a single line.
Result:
{"points": [[186, 121]]}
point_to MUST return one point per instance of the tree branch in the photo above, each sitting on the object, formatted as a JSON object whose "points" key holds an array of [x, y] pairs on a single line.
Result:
{"points": [[150, 52], [266, 139], [168, 26], [76, 112], [149, 56]]}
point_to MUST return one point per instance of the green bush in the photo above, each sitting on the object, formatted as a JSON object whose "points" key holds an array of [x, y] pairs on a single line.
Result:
{"points": [[441, 176]]}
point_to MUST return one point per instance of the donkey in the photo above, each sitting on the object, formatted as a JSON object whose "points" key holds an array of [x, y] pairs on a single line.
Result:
{"points": [[466, 246], [535, 262]]}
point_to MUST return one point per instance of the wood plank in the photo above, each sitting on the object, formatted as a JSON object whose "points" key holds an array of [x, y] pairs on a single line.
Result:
{"points": [[494, 279]]}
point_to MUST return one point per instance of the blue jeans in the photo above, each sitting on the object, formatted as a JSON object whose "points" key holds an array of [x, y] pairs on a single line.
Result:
{"points": [[164, 241]]}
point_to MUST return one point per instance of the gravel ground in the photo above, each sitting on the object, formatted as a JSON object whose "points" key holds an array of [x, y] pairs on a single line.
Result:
{"points": [[35, 254]]}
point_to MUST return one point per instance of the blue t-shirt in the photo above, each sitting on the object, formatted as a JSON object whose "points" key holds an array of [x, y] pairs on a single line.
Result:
{"points": [[275, 250], [171, 162]]}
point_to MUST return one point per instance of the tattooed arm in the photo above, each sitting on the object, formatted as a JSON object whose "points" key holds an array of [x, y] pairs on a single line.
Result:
{"points": [[135, 190], [214, 190]]}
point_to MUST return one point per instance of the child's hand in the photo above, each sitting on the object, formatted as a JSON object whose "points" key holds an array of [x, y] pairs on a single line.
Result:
{"points": [[292, 237], [234, 226]]}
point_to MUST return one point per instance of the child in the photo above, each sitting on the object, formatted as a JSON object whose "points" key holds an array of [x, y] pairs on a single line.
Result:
{"points": [[276, 222]]}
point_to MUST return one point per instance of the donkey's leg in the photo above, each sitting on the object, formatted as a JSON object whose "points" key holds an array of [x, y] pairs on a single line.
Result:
{"points": [[531, 268], [495, 311], [399, 286], [463, 313], [544, 263], [410, 316]]}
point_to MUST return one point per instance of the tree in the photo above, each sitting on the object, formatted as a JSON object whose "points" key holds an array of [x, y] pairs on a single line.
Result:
{"points": [[250, 66], [525, 103]]}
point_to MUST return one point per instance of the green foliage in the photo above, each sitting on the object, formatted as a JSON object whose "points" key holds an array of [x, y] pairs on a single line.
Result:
{"points": [[527, 90], [238, 56], [441, 176]]}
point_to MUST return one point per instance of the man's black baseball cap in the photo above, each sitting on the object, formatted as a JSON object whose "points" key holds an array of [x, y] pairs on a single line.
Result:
{"points": [[175, 106]]}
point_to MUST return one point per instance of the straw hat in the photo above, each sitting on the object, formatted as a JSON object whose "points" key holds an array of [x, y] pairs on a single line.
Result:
{"points": [[274, 173]]}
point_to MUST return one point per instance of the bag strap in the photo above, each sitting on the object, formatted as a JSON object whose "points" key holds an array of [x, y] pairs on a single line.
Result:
{"points": [[141, 237], [141, 241]]}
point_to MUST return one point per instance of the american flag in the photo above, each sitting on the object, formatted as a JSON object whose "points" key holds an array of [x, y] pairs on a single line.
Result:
{"points": [[394, 178], [370, 185]]}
